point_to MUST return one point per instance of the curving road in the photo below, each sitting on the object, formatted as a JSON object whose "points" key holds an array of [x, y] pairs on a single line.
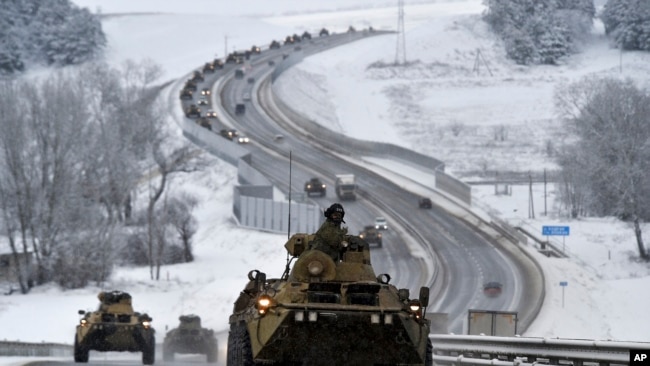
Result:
{"points": [[423, 247]]}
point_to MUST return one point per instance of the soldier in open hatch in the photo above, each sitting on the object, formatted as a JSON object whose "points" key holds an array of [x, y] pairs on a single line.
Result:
{"points": [[330, 235]]}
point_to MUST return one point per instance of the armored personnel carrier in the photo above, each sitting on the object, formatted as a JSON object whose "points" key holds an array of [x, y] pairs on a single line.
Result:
{"points": [[371, 235], [315, 186], [190, 337], [327, 312], [114, 326]]}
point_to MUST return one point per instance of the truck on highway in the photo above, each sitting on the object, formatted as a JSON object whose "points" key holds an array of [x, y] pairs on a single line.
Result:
{"points": [[346, 187]]}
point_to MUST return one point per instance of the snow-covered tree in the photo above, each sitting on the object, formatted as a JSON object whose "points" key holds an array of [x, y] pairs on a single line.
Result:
{"points": [[609, 162], [53, 32], [628, 23], [540, 31]]}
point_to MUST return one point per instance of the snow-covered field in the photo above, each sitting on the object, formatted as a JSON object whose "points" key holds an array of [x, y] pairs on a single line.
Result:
{"points": [[419, 107]]}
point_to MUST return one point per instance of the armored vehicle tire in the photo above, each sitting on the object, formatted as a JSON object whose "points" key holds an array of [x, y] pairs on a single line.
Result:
{"points": [[149, 352], [211, 354], [239, 346], [80, 352], [168, 354], [428, 361]]}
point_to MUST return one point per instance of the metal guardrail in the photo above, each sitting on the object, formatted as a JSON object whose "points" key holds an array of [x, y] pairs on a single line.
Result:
{"points": [[484, 350], [15, 348]]}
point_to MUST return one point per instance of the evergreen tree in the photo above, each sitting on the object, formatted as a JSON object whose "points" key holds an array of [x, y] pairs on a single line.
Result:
{"points": [[53, 32], [540, 31], [628, 23]]}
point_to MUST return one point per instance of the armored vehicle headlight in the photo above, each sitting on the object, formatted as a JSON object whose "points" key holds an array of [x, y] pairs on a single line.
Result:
{"points": [[83, 322], [416, 308], [414, 305], [375, 318], [264, 302], [345, 244], [146, 324], [315, 268], [299, 316]]}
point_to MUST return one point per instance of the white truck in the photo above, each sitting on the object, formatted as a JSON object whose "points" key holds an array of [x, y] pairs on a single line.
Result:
{"points": [[346, 187]]}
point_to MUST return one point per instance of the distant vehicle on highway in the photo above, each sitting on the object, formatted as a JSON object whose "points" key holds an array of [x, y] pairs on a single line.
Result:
{"points": [[315, 186], [240, 108], [380, 223], [186, 94], [211, 114], [425, 202], [246, 96], [492, 288], [243, 139], [371, 235], [324, 32], [202, 100], [230, 134]]}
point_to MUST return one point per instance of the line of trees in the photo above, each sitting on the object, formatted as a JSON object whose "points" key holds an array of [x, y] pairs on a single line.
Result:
{"points": [[52, 32], [74, 148], [540, 31], [606, 165]]}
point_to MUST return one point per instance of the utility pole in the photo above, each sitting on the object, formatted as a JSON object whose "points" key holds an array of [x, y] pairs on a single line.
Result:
{"points": [[400, 48], [531, 205], [225, 47]]}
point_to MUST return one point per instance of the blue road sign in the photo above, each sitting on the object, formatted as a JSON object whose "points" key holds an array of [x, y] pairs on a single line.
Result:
{"points": [[564, 283], [555, 230]]}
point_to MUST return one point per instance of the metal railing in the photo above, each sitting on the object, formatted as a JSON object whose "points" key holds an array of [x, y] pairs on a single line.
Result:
{"points": [[483, 350]]}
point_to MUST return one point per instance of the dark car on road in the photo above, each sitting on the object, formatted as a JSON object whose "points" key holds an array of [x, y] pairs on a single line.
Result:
{"points": [[425, 202], [230, 134], [240, 108], [492, 289]]}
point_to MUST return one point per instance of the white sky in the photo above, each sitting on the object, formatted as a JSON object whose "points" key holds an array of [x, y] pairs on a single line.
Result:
{"points": [[606, 296]]}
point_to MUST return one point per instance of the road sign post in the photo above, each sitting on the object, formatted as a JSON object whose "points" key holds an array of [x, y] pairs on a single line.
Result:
{"points": [[563, 284], [556, 231]]}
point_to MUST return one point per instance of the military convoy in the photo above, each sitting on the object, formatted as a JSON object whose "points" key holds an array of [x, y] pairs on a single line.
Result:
{"points": [[114, 326], [190, 338], [326, 312]]}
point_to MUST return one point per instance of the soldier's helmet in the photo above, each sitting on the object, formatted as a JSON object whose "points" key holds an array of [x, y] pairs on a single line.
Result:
{"points": [[335, 208]]}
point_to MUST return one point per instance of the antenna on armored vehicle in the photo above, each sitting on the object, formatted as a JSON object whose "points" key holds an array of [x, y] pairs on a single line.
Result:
{"points": [[289, 257]]}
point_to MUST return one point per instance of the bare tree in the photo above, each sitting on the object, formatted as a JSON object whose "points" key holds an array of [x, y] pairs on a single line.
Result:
{"points": [[610, 158], [181, 159], [181, 218]]}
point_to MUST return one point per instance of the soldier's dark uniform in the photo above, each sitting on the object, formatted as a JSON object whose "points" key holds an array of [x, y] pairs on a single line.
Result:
{"points": [[329, 236]]}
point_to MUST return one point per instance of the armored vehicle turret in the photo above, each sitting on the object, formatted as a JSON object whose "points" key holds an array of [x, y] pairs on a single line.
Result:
{"points": [[328, 312], [190, 337], [114, 326]]}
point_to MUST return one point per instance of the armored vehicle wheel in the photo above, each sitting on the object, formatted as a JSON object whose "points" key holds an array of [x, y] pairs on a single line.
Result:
{"points": [[239, 347], [149, 352], [80, 352], [211, 354], [168, 354], [428, 360]]}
